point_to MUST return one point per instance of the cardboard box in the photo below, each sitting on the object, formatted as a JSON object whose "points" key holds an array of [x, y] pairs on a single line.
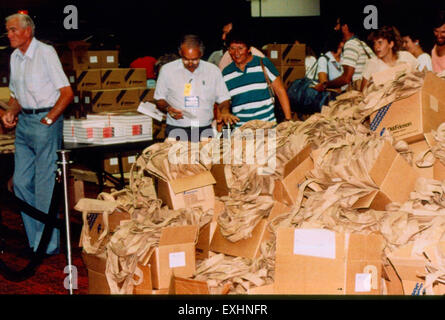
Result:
{"points": [[179, 285], [135, 78], [111, 99], [97, 281], [287, 54], [146, 94], [206, 233], [111, 165], [221, 188], [408, 119], [112, 78], [175, 255], [75, 56], [266, 289], [286, 189], [103, 59], [291, 73], [320, 261], [410, 267], [87, 79], [388, 170], [109, 58], [247, 248], [192, 191]]}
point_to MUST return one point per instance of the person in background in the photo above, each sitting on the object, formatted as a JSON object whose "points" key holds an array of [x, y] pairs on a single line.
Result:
{"points": [[309, 61], [247, 83], [216, 56], [328, 65], [411, 43], [147, 63], [187, 89], [438, 51], [40, 92], [355, 54], [387, 47]]}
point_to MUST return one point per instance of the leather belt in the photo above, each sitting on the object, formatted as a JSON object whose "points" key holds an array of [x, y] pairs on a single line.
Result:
{"points": [[35, 111]]}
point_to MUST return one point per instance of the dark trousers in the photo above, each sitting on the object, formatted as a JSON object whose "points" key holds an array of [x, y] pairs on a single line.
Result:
{"points": [[194, 134]]}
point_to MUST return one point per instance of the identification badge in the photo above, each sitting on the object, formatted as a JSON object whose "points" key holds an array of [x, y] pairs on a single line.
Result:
{"points": [[187, 89], [191, 102]]}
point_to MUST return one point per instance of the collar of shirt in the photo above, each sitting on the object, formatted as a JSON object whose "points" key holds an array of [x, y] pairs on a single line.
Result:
{"points": [[29, 52]]}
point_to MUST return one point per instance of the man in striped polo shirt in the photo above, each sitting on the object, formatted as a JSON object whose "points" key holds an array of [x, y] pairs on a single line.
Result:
{"points": [[247, 84], [354, 57]]}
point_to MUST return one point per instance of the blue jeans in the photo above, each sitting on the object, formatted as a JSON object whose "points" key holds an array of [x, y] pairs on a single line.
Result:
{"points": [[35, 162]]}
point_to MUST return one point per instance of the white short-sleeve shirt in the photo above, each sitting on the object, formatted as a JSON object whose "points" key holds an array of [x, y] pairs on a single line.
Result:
{"points": [[425, 62], [195, 92], [36, 76]]}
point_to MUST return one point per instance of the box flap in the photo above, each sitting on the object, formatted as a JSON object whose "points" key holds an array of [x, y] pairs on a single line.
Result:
{"points": [[434, 86], [365, 246], [382, 164], [296, 160], [192, 182], [177, 235]]}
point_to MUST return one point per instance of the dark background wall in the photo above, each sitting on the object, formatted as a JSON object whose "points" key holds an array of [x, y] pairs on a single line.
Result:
{"points": [[155, 27]]}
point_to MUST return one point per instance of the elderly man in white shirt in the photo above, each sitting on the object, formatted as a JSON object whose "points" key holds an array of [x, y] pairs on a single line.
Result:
{"points": [[187, 90], [40, 92]]}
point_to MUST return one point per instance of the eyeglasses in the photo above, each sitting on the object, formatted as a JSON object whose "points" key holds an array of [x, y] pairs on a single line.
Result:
{"points": [[194, 61]]}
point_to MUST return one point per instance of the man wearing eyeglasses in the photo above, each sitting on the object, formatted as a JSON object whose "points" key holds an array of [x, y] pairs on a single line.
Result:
{"points": [[187, 89]]}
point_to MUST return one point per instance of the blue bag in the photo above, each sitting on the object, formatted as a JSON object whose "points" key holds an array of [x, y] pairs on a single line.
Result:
{"points": [[306, 100]]}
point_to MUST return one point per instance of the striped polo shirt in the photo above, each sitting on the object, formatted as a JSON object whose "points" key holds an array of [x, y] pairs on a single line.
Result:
{"points": [[248, 90], [354, 55]]}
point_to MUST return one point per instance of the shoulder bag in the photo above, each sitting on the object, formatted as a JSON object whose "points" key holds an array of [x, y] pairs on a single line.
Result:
{"points": [[304, 99]]}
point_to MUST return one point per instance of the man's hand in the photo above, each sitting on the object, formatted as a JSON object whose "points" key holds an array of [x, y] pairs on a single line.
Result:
{"points": [[175, 113], [9, 119], [319, 87], [228, 118]]}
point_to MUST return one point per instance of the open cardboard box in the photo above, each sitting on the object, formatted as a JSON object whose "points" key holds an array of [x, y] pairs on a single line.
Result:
{"points": [[175, 255], [320, 261], [247, 248], [410, 268], [188, 192], [286, 189], [388, 171], [409, 118]]}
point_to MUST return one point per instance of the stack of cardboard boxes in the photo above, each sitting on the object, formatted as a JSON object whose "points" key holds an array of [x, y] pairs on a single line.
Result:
{"points": [[289, 60], [100, 85]]}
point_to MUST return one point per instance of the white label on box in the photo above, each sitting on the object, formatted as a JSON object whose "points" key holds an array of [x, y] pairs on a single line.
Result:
{"points": [[176, 259], [5, 80], [93, 59], [72, 79], [315, 243], [76, 99], [434, 104], [131, 159], [274, 54], [110, 59], [114, 161], [362, 282], [87, 99]]}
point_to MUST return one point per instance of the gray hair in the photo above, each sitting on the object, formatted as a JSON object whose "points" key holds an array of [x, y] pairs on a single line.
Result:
{"points": [[192, 41], [25, 21]]}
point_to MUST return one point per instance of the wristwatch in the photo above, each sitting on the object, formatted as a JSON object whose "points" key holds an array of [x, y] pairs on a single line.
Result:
{"points": [[48, 120]]}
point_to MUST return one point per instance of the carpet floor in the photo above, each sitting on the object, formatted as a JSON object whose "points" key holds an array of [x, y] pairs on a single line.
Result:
{"points": [[50, 276]]}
